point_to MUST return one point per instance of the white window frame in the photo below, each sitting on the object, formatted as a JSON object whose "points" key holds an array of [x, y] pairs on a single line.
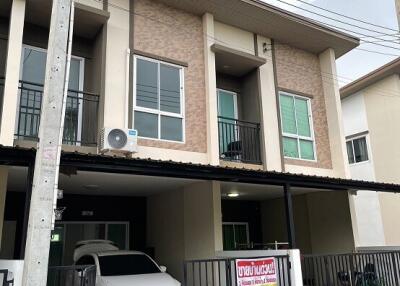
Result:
{"points": [[296, 136], [159, 112], [235, 104], [246, 224], [351, 139], [81, 85]]}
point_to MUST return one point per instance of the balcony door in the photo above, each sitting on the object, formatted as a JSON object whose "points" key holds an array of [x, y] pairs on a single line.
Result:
{"points": [[227, 123], [32, 75]]}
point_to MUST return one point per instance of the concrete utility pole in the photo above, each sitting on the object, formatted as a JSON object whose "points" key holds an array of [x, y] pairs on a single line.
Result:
{"points": [[397, 2], [47, 156]]}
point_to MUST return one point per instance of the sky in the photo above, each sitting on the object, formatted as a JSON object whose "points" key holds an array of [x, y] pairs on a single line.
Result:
{"points": [[379, 12]]}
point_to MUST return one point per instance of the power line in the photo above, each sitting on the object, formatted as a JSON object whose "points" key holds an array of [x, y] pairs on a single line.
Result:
{"points": [[348, 17], [289, 64], [345, 29]]}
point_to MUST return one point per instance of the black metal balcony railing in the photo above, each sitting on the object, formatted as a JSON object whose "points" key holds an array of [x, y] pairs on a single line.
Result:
{"points": [[239, 140], [81, 113]]}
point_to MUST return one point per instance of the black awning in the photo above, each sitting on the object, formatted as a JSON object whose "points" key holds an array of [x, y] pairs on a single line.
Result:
{"points": [[136, 166]]}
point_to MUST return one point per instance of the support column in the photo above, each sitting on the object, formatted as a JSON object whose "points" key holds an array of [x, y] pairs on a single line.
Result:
{"points": [[117, 43], [14, 53], [334, 114], [270, 141], [28, 195], [211, 90], [3, 191], [289, 216], [202, 220]]}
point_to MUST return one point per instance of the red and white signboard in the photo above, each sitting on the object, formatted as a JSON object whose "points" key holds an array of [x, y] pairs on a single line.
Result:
{"points": [[256, 272]]}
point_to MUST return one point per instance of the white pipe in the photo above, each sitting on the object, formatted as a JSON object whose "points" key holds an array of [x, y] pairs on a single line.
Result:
{"points": [[126, 121], [65, 96]]}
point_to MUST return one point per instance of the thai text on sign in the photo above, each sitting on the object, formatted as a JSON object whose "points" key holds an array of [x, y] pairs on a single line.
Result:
{"points": [[256, 272]]}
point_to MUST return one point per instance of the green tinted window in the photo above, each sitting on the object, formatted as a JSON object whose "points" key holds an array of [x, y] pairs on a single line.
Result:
{"points": [[302, 117], [288, 114], [290, 147]]}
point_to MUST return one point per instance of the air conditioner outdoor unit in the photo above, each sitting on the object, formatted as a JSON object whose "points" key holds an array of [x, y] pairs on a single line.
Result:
{"points": [[116, 139]]}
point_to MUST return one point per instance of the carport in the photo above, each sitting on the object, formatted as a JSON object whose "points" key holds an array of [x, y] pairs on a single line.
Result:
{"points": [[174, 211]]}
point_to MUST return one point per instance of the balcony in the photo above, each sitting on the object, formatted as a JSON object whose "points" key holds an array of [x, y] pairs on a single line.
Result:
{"points": [[81, 115], [239, 140]]}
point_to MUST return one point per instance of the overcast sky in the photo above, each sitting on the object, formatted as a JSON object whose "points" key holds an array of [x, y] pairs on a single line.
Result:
{"points": [[380, 12]]}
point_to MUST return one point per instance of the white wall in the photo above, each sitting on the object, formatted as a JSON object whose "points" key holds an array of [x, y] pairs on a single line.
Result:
{"points": [[365, 205]]}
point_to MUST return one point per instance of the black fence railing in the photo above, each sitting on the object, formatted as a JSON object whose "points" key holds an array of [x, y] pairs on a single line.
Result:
{"points": [[355, 269], [84, 275], [81, 114], [223, 272], [239, 140], [6, 278]]}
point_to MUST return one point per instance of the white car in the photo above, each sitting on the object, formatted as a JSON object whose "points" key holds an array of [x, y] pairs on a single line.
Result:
{"points": [[125, 268]]}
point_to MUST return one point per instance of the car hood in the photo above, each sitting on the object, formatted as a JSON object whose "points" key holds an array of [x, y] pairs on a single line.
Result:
{"points": [[156, 279]]}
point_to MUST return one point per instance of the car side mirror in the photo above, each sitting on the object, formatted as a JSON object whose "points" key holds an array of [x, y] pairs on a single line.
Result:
{"points": [[163, 269]]}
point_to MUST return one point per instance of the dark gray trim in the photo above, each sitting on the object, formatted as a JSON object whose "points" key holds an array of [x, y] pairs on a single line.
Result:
{"points": [[105, 5], [289, 216], [160, 58], [255, 45], [131, 62], [288, 90], [359, 134], [278, 107], [28, 195]]}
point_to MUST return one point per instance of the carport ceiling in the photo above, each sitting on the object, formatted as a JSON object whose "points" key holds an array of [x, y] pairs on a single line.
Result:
{"points": [[108, 184]]}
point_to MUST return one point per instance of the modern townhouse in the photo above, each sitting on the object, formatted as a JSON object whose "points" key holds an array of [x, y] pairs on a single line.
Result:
{"points": [[240, 135], [371, 108]]}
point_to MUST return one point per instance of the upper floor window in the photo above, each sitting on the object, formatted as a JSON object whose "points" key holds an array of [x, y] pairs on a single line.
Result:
{"points": [[357, 150], [297, 130], [158, 100]]}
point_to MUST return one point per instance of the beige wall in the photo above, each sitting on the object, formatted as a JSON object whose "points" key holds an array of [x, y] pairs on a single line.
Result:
{"points": [[234, 38], [185, 224], [299, 71], [330, 222], [383, 110], [176, 35], [322, 222]]}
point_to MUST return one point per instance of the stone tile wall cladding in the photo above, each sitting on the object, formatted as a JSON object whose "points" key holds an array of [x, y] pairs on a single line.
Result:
{"points": [[173, 34], [299, 71]]}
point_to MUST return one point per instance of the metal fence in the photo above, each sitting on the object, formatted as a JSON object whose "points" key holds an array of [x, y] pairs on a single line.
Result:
{"points": [[239, 140], [5, 278], [82, 275], [222, 272], [355, 269], [81, 114]]}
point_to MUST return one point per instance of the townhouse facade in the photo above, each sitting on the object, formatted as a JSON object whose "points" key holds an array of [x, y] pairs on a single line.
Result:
{"points": [[370, 109], [239, 92]]}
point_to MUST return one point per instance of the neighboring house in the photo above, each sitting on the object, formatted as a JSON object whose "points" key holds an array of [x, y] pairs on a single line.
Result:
{"points": [[371, 112], [236, 103]]}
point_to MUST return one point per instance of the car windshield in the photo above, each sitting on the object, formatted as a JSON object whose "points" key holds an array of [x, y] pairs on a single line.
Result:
{"points": [[129, 264]]}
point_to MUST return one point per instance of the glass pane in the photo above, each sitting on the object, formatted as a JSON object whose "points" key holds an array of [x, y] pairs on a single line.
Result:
{"points": [[146, 124], [170, 89], [360, 150], [171, 128], [228, 237], [303, 119], [241, 235], [226, 104], [350, 153], [147, 84], [288, 115], [117, 233], [307, 149], [290, 147], [34, 66]]}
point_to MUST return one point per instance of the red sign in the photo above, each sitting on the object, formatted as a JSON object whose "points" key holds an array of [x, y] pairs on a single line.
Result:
{"points": [[256, 272]]}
